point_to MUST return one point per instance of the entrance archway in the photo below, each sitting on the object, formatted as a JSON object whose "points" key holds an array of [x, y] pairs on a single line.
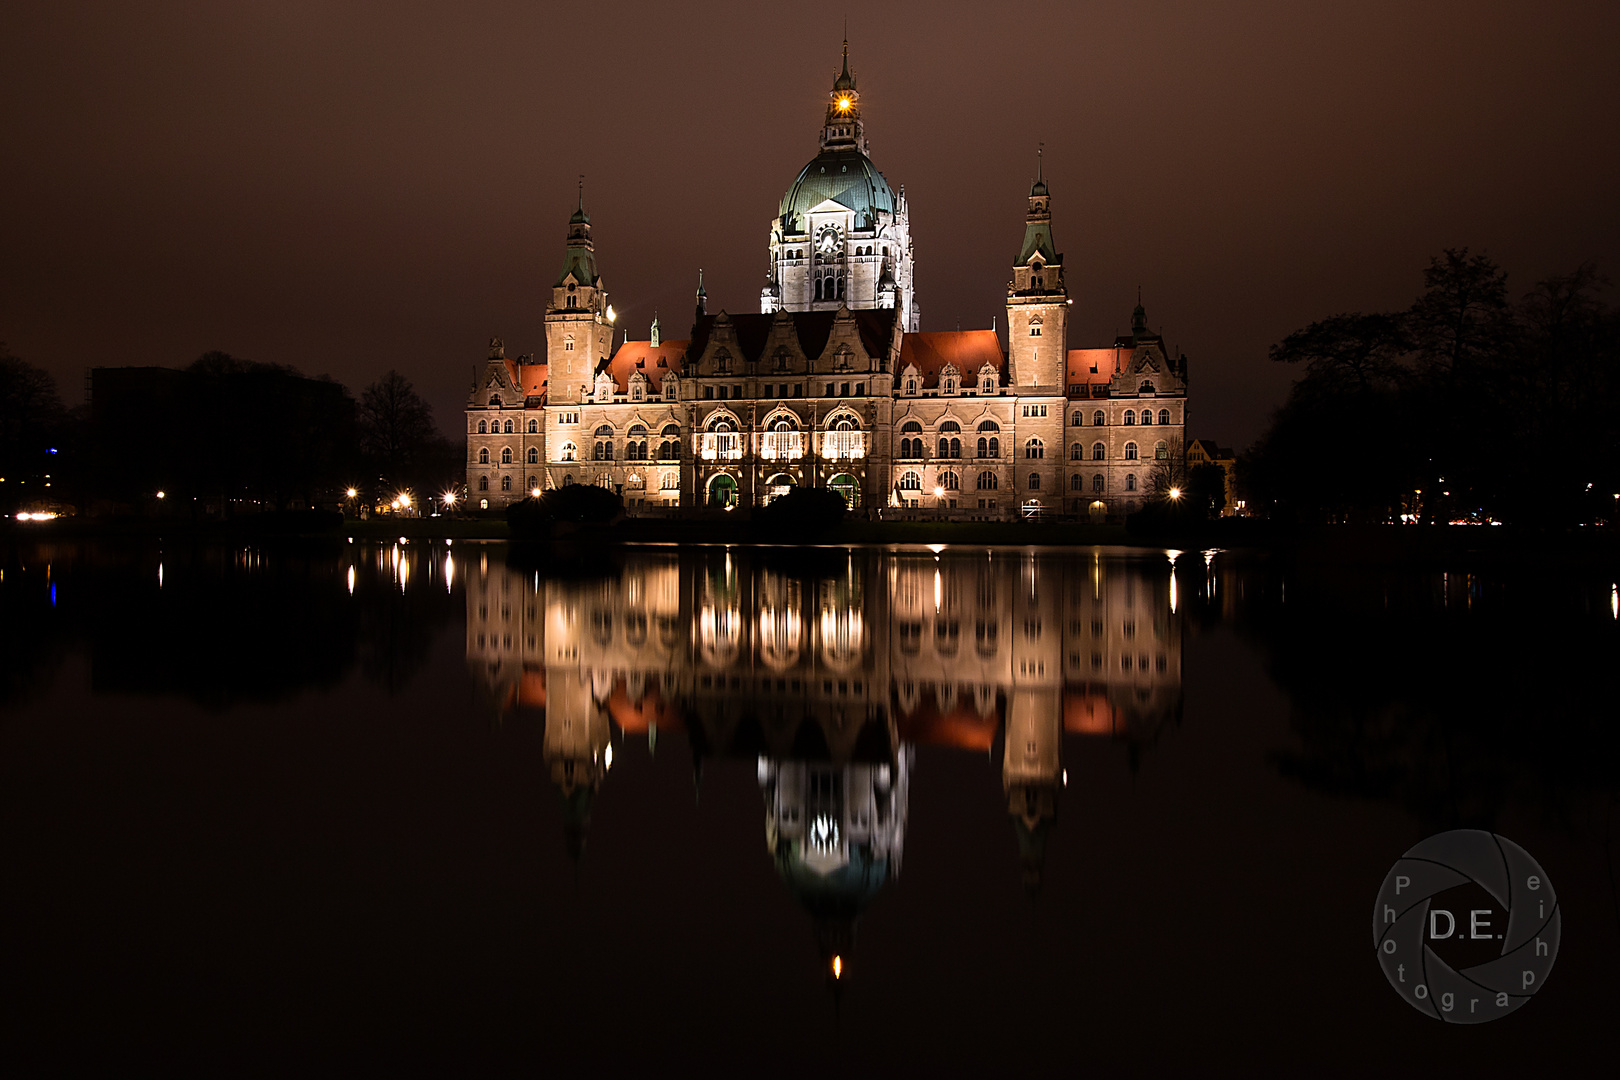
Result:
{"points": [[777, 486], [847, 486], [723, 491], [1098, 509]]}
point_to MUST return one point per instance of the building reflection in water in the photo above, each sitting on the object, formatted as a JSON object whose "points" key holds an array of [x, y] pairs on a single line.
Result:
{"points": [[828, 668]]}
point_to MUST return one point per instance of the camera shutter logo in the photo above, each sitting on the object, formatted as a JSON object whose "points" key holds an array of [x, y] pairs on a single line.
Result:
{"points": [[1466, 926]]}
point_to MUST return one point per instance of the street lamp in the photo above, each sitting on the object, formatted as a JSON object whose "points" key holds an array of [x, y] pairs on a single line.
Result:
{"points": [[162, 495], [1175, 493]]}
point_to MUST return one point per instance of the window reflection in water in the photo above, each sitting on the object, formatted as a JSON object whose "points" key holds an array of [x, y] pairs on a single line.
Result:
{"points": [[828, 675]]}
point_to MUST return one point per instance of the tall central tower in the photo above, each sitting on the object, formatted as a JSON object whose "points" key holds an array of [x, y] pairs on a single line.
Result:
{"points": [[841, 235], [1037, 301]]}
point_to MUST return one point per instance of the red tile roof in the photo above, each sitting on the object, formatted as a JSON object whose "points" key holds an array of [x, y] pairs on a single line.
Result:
{"points": [[650, 360], [1106, 361], [533, 380], [969, 350]]}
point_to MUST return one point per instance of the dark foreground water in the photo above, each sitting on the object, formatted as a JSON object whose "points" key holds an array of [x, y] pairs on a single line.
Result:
{"points": [[373, 809]]}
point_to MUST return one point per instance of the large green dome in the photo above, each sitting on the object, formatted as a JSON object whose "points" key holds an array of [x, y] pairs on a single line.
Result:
{"points": [[846, 176]]}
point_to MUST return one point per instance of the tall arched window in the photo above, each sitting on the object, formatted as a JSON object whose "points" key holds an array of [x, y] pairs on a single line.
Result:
{"points": [[1077, 452], [483, 456], [483, 483], [569, 451], [1130, 481], [1034, 448], [1097, 451], [1077, 482], [1129, 417], [534, 427], [1164, 416], [1130, 451], [1097, 482], [506, 455], [1076, 418], [1147, 416], [910, 481], [911, 447], [949, 481], [603, 450], [1161, 452], [534, 455], [506, 483], [508, 427], [987, 481], [1034, 481], [482, 427], [1099, 418]]}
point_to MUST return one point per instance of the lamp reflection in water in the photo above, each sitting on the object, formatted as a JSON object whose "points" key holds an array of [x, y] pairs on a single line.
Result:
{"points": [[825, 671]]}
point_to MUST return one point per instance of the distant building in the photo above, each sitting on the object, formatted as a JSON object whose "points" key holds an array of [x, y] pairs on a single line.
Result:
{"points": [[833, 384], [1205, 452]]}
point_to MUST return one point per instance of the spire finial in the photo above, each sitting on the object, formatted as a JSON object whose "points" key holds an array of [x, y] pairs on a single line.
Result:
{"points": [[1040, 150], [582, 193]]}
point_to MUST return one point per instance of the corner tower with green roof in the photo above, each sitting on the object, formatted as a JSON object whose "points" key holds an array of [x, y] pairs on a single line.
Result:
{"points": [[578, 334], [842, 235]]}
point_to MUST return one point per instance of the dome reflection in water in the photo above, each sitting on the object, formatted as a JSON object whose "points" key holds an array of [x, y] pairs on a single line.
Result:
{"points": [[827, 670]]}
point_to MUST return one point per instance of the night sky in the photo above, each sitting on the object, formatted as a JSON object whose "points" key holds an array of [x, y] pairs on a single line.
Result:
{"points": [[349, 188]]}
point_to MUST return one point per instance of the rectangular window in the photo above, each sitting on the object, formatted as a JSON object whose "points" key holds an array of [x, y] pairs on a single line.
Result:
{"points": [[843, 389], [798, 389], [708, 393], [829, 392], [860, 389]]}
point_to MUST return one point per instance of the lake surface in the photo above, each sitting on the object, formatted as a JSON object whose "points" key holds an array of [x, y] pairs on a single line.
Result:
{"points": [[286, 808]]}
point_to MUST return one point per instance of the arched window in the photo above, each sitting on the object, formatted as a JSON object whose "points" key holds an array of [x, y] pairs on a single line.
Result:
{"points": [[1077, 452], [950, 427], [534, 427], [1076, 418], [506, 483], [482, 427], [1147, 416], [483, 456], [1035, 326], [483, 483], [1130, 451], [911, 384], [1130, 481], [911, 447], [671, 482], [1099, 418], [987, 481], [1146, 387], [569, 451], [1077, 482], [1097, 451], [506, 455], [1034, 481], [950, 448], [495, 402], [1034, 448], [1164, 416], [1097, 482], [1161, 452], [989, 425], [534, 483], [509, 427], [534, 455], [1129, 417], [910, 481], [950, 481], [911, 427]]}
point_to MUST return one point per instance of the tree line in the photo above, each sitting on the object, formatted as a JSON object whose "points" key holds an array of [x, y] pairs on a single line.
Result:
{"points": [[1465, 406], [221, 435]]}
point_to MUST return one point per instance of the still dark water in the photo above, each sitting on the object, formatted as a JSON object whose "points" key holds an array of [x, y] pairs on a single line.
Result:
{"points": [[364, 808]]}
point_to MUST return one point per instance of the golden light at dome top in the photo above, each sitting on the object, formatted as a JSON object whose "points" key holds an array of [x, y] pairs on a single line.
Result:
{"points": [[843, 104]]}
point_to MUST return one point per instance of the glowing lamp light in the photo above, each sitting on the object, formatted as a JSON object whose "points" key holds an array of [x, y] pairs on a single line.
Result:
{"points": [[939, 492], [449, 498], [611, 315], [844, 104], [162, 495], [534, 493], [838, 967], [351, 493], [1175, 493], [394, 504]]}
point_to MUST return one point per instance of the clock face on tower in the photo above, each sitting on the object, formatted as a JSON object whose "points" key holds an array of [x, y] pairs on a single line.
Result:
{"points": [[828, 240]]}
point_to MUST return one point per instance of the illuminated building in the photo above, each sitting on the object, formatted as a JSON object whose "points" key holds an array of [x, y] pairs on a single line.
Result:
{"points": [[832, 384]]}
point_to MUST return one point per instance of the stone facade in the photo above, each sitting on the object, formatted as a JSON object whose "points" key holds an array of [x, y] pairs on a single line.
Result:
{"points": [[834, 385]]}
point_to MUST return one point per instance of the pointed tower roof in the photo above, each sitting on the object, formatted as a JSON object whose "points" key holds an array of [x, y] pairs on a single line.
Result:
{"points": [[1038, 223], [580, 257]]}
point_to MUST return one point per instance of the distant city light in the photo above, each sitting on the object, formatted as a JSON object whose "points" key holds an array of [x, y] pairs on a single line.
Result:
{"points": [[838, 967], [351, 493], [404, 500], [41, 516], [449, 498], [53, 449]]}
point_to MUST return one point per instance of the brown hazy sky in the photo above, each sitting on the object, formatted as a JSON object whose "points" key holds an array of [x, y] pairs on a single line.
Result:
{"points": [[352, 187]]}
